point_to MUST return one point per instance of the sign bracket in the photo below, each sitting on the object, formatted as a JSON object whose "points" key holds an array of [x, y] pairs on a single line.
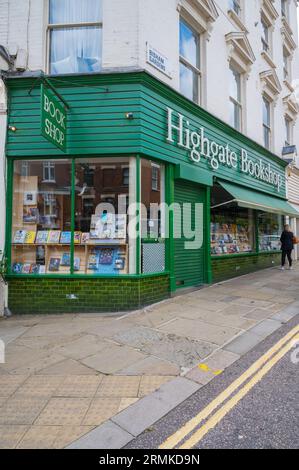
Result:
{"points": [[49, 84]]}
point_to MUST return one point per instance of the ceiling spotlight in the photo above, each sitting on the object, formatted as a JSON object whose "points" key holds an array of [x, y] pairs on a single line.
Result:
{"points": [[12, 128], [129, 115]]}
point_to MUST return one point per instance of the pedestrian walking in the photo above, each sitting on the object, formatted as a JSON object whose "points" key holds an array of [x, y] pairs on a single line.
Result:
{"points": [[287, 246]]}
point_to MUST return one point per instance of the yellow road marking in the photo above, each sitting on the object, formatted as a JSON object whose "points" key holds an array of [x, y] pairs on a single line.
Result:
{"points": [[206, 368], [179, 435], [222, 412]]}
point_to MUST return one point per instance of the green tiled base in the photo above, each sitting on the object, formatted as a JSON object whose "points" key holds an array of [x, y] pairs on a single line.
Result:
{"points": [[31, 296], [226, 268]]}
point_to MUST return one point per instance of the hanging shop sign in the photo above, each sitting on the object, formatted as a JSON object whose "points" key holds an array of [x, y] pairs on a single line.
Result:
{"points": [[53, 119], [199, 147]]}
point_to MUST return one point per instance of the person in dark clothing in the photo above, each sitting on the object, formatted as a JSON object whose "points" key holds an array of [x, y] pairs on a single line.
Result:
{"points": [[287, 246]]}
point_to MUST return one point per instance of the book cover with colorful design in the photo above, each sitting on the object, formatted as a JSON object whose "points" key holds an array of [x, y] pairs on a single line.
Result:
{"points": [[30, 237], [66, 259], [66, 238], [42, 237], [26, 268], [20, 236], [77, 238], [54, 236], [54, 264]]}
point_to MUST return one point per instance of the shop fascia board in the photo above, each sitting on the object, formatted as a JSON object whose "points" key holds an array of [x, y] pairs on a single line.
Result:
{"points": [[146, 79]]}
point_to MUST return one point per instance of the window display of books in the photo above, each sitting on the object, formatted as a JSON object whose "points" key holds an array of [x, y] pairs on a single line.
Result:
{"points": [[228, 239]]}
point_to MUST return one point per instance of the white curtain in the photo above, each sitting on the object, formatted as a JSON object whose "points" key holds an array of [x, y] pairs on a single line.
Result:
{"points": [[75, 50]]}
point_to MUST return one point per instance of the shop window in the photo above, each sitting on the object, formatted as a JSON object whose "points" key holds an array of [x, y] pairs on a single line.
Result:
{"points": [[232, 227], [152, 217], [267, 123], [101, 221], [270, 227], [190, 73], [75, 36], [235, 98], [41, 219]]}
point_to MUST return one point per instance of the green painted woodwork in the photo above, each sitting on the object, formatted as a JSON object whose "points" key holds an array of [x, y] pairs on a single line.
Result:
{"points": [[53, 119], [189, 265], [258, 201], [191, 173], [97, 124]]}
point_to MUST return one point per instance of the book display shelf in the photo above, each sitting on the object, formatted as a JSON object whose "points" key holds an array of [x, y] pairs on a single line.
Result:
{"points": [[41, 236]]}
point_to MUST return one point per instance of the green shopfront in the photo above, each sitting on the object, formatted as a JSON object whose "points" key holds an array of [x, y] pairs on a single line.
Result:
{"points": [[126, 192]]}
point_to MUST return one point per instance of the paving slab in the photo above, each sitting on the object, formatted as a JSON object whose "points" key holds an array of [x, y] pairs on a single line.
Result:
{"points": [[113, 359], [17, 411], [82, 347], [151, 366], [81, 386], [39, 386], [143, 414], [63, 411], [100, 410], [11, 435], [119, 387], [10, 383], [107, 436], [200, 330], [68, 367], [265, 328], [243, 343]]}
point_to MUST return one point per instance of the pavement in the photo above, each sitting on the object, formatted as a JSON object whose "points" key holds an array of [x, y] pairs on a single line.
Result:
{"points": [[266, 417], [98, 381]]}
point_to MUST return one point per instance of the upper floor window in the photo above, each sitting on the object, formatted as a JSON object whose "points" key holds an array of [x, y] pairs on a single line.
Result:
{"points": [[286, 65], [190, 74], [288, 131], [285, 9], [265, 36], [235, 5], [235, 99], [75, 36], [267, 124]]}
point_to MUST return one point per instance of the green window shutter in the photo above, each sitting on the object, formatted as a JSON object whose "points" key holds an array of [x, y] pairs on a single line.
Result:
{"points": [[188, 264]]}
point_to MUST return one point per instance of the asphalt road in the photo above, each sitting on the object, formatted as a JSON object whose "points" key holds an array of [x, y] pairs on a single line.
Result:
{"points": [[267, 417]]}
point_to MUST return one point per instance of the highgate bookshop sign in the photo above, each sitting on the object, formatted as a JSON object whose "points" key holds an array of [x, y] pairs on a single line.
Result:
{"points": [[200, 146]]}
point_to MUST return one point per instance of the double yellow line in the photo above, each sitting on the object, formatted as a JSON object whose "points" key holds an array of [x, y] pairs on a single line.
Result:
{"points": [[257, 371]]}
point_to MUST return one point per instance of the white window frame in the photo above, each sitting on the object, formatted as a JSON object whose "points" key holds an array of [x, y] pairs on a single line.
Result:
{"points": [[155, 177], [236, 6], [48, 167], [268, 126], [51, 27], [289, 125], [238, 104], [197, 71], [286, 65], [285, 11], [266, 42]]}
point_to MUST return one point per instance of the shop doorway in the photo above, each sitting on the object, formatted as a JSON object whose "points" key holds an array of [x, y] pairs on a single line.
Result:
{"points": [[189, 264]]}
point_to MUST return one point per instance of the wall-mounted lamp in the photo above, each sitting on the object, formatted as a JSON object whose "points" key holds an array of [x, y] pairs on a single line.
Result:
{"points": [[129, 115], [12, 128]]}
